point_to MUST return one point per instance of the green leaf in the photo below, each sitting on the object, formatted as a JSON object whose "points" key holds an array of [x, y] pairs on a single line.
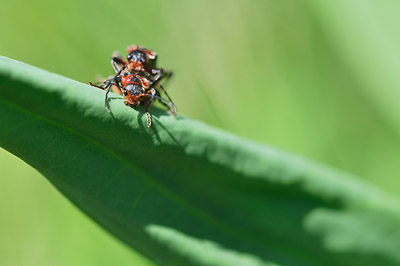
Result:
{"points": [[183, 193]]}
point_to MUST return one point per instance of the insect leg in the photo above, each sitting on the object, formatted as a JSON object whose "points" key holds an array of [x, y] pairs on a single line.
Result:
{"points": [[117, 61], [168, 104], [169, 98], [160, 74], [147, 110], [109, 85], [91, 84]]}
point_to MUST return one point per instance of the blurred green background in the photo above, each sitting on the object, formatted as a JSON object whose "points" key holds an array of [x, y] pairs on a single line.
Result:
{"points": [[316, 78]]}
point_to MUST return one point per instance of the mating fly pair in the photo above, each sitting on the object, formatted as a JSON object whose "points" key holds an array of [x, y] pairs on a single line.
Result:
{"points": [[137, 79]]}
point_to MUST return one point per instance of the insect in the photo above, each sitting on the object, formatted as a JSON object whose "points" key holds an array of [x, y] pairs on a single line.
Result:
{"points": [[137, 79]]}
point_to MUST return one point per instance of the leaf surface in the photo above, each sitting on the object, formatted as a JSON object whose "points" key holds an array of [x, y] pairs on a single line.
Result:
{"points": [[184, 193]]}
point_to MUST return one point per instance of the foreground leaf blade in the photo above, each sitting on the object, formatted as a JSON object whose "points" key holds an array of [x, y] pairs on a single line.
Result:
{"points": [[183, 193]]}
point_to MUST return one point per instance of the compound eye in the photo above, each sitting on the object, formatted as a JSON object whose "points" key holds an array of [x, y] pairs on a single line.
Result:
{"points": [[141, 57], [137, 56]]}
